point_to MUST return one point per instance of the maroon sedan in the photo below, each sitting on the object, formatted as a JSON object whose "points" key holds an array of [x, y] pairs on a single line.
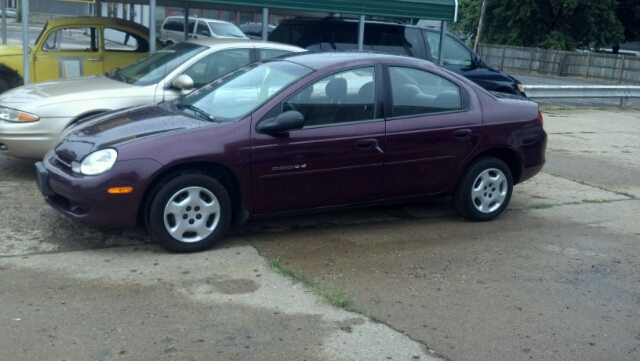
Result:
{"points": [[303, 132]]}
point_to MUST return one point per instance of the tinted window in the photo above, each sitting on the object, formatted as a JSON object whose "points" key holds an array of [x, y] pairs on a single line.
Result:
{"points": [[203, 29], [340, 98], [396, 40], [174, 25], [454, 52], [416, 92]]}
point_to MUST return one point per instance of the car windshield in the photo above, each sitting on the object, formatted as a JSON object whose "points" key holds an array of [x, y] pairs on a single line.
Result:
{"points": [[223, 29], [155, 67], [237, 94]]}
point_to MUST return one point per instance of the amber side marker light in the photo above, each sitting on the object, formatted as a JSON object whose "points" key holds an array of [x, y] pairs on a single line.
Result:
{"points": [[26, 117], [120, 190]]}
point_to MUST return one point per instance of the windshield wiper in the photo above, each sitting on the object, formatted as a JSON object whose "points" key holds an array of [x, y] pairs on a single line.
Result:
{"points": [[198, 111]]}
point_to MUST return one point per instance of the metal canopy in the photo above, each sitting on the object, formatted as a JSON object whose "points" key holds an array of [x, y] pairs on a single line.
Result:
{"points": [[415, 9]]}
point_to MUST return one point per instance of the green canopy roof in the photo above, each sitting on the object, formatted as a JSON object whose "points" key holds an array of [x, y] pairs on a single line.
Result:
{"points": [[415, 9]]}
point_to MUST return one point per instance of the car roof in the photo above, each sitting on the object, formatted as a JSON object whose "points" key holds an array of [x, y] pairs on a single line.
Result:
{"points": [[90, 20], [203, 19], [319, 60], [238, 42]]}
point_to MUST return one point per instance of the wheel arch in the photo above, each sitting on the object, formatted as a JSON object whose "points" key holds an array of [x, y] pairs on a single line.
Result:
{"points": [[509, 156], [216, 170], [8, 73]]}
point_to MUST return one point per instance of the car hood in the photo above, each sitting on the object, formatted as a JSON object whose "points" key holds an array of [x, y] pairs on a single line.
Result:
{"points": [[60, 91], [114, 129]]}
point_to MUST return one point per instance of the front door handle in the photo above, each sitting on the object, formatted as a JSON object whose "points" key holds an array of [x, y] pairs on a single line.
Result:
{"points": [[366, 145], [94, 59], [462, 134]]}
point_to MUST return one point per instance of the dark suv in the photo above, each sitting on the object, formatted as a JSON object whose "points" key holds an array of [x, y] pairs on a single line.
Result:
{"points": [[334, 33]]}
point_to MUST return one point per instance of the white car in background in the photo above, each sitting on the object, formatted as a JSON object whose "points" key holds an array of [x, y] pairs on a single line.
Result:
{"points": [[11, 12], [172, 30], [33, 116]]}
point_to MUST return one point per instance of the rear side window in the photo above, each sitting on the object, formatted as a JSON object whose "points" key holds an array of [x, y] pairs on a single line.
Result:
{"points": [[419, 92], [395, 39], [174, 25], [118, 40]]}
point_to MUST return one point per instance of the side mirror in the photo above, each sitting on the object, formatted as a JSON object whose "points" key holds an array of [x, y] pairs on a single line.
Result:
{"points": [[287, 121], [183, 82], [477, 61], [206, 33]]}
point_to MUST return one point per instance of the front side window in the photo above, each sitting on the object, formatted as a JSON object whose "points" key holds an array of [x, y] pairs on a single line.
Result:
{"points": [[152, 69], [419, 92], [215, 65], [454, 52], [73, 39], [344, 97], [237, 94]]}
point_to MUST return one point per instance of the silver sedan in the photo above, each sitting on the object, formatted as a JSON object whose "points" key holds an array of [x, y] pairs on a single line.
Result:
{"points": [[32, 117]]}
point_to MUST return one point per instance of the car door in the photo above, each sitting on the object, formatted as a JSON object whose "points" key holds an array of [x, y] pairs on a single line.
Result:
{"points": [[69, 52], [431, 128], [336, 159]]}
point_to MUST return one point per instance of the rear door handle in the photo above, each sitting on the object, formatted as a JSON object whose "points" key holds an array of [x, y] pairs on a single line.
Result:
{"points": [[366, 145], [462, 134], [94, 59]]}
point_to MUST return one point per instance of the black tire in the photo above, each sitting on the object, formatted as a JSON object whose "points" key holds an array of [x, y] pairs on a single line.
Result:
{"points": [[484, 190], [3, 86], [203, 215]]}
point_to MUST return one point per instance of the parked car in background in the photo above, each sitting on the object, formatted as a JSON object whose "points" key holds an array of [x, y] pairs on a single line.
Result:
{"points": [[33, 116], [73, 47], [303, 132], [254, 30], [172, 30], [337, 33], [10, 12]]}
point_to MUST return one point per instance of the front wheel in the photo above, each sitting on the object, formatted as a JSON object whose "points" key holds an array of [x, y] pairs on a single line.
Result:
{"points": [[484, 191], [189, 213]]}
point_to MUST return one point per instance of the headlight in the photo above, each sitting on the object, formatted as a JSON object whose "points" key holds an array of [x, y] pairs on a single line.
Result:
{"points": [[96, 163], [12, 115]]}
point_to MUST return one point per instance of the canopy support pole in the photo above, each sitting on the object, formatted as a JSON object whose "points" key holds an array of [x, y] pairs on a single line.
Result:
{"points": [[152, 26], [443, 37], [25, 41], [361, 33], [265, 24]]}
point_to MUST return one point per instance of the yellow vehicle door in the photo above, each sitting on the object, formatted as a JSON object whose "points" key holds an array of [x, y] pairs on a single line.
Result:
{"points": [[122, 47], [69, 52]]}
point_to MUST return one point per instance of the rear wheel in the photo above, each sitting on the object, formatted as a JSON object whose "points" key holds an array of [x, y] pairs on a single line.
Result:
{"points": [[189, 213], [484, 190]]}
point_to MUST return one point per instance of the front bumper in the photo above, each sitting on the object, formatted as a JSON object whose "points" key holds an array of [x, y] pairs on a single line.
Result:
{"points": [[85, 199], [30, 140]]}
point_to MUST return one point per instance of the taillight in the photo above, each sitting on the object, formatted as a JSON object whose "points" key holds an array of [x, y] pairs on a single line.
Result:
{"points": [[540, 118]]}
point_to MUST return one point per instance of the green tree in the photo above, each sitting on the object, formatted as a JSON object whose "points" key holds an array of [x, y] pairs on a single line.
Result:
{"points": [[550, 24]]}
